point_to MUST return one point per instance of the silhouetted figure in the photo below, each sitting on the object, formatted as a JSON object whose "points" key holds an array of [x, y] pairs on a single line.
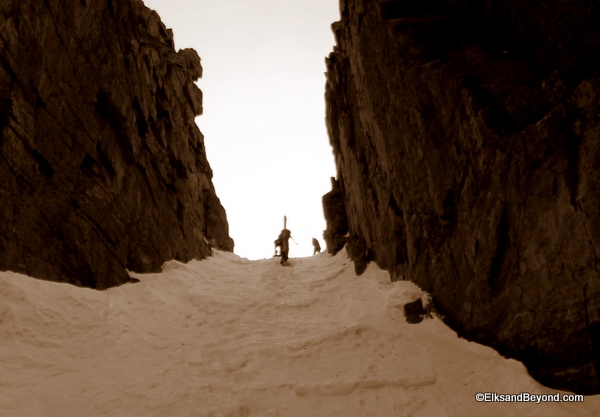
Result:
{"points": [[284, 244], [316, 245]]}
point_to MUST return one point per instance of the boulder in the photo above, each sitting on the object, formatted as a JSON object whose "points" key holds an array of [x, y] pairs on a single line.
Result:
{"points": [[414, 312]]}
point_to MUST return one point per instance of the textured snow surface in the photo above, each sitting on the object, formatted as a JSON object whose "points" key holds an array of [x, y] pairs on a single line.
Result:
{"points": [[233, 337]]}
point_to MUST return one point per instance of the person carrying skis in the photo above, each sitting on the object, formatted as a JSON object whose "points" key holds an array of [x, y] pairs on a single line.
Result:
{"points": [[284, 245], [316, 245]]}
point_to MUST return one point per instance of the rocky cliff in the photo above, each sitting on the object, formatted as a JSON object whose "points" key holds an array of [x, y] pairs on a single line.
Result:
{"points": [[103, 168], [466, 138]]}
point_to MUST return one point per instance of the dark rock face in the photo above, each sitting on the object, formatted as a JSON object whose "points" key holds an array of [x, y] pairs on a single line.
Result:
{"points": [[103, 168], [337, 222], [466, 142]]}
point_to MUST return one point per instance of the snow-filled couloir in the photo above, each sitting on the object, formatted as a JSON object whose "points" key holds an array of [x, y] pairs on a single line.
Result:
{"points": [[231, 337]]}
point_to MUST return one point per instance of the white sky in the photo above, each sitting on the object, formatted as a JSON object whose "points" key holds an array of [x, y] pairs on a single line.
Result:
{"points": [[264, 111]]}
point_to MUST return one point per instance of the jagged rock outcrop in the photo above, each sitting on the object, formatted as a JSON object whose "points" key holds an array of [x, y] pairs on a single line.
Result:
{"points": [[337, 222], [103, 168], [466, 143]]}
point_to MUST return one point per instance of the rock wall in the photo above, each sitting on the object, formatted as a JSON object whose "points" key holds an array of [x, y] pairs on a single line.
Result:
{"points": [[103, 168], [466, 142]]}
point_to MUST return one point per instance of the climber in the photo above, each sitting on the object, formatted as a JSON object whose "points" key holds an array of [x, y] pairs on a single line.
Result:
{"points": [[284, 245], [316, 245]]}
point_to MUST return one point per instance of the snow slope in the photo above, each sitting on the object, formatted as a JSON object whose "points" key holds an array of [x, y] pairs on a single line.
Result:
{"points": [[233, 337]]}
